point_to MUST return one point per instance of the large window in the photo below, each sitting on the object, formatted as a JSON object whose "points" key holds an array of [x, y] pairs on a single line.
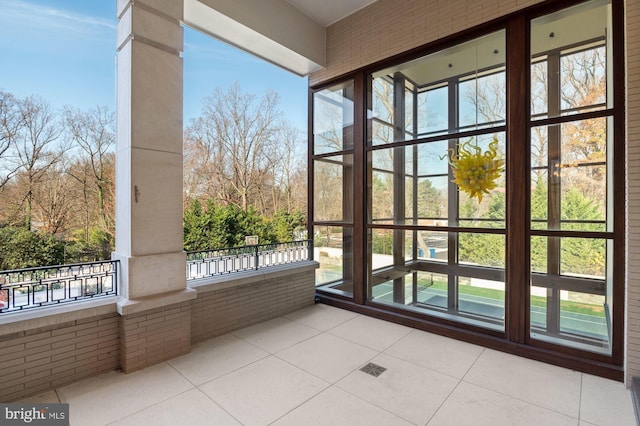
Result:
{"points": [[435, 249], [572, 177], [536, 257], [333, 186]]}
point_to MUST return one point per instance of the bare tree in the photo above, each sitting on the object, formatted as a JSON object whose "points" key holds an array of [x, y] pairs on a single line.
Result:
{"points": [[94, 132], [35, 148], [291, 168], [56, 200], [228, 148], [9, 125]]}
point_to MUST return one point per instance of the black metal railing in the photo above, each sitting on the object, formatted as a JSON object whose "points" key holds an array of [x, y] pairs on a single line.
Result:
{"points": [[22, 289], [216, 262]]}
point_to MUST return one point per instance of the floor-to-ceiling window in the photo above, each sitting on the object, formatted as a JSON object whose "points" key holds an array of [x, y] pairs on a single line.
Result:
{"points": [[572, 170], [490, 169], [435, 249], [332, 156]]}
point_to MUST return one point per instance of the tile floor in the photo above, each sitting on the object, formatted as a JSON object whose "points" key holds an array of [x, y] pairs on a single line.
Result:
{"points": [[303, 369]]}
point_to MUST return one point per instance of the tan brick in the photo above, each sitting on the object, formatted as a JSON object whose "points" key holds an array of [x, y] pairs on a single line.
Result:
{"points": [[11, 353], [12, 364]]}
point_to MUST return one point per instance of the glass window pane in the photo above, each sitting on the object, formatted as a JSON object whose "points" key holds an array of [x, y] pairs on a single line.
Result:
{"points": [[432, 289], [432, 200], [432, 158], [539, 89], [381, 248], [539, 199], [583, 314], [382, 99], [573, 44], [474, 71], [579, 187], [490, 211], [584, 80], [583, 257], [333, 188], [538, 254], [538, 303], [480, 297], [481, 249], [571, 291], [382, 133], [333, 119], [432, 246], [433, 111], [332, 249], [483, 100], [382, 196]]}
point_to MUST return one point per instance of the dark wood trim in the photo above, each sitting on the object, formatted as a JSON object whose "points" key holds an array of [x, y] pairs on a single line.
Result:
{"points": [[619, 183], [561, 119], [310, 167], [359, 190], [518, 181], [571, 234]]}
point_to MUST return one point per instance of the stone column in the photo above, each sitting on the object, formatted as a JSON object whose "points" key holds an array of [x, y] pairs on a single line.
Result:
{"points": [[149, 180]]}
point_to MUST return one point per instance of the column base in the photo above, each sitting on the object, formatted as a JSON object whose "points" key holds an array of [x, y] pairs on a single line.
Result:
{"points": [[154, 329]]}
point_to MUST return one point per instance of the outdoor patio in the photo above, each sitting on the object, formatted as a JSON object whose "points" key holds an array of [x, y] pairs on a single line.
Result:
{"points": [[304, 369]]}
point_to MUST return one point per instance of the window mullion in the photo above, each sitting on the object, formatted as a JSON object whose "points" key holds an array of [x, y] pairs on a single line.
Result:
{"points": [[518, 182]]}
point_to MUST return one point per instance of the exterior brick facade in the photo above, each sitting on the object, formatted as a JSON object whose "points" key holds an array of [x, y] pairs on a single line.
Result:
{"points": [[249, 300], [36, 358], [153, 336], [387, 27], [39, 359]]}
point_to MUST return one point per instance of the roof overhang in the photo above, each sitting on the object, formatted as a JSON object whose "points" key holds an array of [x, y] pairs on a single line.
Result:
{"points": [[273, 30]]}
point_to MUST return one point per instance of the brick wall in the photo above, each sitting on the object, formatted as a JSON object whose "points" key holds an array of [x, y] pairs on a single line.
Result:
{"points": [[39, 359], [153, 336], [254, 298], [632, 12], [389, 27], [83, 343]]}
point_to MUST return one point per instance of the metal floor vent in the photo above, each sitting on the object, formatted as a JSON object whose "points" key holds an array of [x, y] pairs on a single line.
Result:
{"points": [[373, 369]]}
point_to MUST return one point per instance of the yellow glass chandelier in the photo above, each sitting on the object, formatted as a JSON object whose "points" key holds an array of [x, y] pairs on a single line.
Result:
{"points": [[476, 172]]}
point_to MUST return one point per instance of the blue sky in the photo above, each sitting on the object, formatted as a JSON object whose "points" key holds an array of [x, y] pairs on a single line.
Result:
{"points": [[64, 50]]}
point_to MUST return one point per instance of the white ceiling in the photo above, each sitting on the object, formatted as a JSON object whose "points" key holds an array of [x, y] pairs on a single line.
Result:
{"points": [[326, 12]]}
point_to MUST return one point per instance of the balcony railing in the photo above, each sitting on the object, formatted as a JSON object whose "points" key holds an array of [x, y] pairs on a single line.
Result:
{"points": [[23, 289], [211, 263]]}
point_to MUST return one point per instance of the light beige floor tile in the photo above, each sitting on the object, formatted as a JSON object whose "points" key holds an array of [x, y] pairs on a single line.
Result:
{"points": [[328, 357], [605, 402], [215, 357], [435, 352], [321, 317], [262, 392], [114, 395], [336, 407], [42, 398], [404, 389], [191, 408], [371, 332], [475, 406], [277, 334], [548, 386]]}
